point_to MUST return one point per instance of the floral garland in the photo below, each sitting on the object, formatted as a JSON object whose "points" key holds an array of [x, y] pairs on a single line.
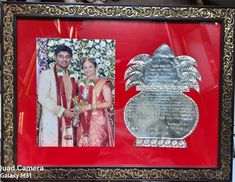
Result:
{"points": [[85, 121], [83, 83], [59, 73]]}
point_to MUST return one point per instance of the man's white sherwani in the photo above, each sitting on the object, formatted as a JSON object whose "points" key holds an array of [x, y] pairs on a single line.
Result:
{"points": [[47, 97]]}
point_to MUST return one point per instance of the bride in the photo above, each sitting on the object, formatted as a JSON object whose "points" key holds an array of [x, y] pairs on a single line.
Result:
{"points": [[94, 97]]}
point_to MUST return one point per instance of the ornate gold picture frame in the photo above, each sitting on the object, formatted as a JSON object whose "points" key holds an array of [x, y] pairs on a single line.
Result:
{"points": [[205, 34]]}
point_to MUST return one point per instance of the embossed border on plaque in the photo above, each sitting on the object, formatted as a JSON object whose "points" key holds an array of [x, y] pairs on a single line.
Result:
{"points": [[11, 12]]}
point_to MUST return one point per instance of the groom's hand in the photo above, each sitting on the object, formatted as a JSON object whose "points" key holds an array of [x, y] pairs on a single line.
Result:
{"points": [[70, 113]]}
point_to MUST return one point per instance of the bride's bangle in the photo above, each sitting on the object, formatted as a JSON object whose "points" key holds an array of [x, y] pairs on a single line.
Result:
{"points": [[93, 107]]}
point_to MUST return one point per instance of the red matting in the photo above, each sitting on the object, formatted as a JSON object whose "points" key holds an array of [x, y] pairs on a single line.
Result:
{"points": [[202, 41]]}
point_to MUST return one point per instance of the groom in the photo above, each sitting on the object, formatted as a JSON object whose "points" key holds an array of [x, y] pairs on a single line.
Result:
{"points": [[55, 92]]}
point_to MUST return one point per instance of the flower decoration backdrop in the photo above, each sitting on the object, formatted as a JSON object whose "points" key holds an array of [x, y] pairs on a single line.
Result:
{"points": [[102, 50]]}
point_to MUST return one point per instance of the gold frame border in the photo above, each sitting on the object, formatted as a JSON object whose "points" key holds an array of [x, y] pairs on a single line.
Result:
{"points": [[226, 15]]}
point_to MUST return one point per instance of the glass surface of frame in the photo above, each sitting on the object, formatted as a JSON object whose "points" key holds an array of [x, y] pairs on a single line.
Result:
{"points": [[159, 104]]}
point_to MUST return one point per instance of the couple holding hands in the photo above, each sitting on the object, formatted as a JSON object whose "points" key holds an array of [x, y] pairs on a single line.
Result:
{"points": [[74, 113]]}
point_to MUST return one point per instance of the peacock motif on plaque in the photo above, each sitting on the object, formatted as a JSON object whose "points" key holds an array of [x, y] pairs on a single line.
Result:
{"points": [[161, 114]]}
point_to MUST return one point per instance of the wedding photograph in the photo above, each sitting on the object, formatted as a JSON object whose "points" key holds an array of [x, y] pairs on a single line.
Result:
{"points": [[75, 91]]}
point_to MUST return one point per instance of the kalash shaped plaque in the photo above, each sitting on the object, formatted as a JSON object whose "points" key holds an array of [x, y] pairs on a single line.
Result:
{"points": [[161, 114]]}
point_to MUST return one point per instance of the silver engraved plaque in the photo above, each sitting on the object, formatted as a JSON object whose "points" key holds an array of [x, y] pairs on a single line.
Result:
{"points": [[161, 115]]}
